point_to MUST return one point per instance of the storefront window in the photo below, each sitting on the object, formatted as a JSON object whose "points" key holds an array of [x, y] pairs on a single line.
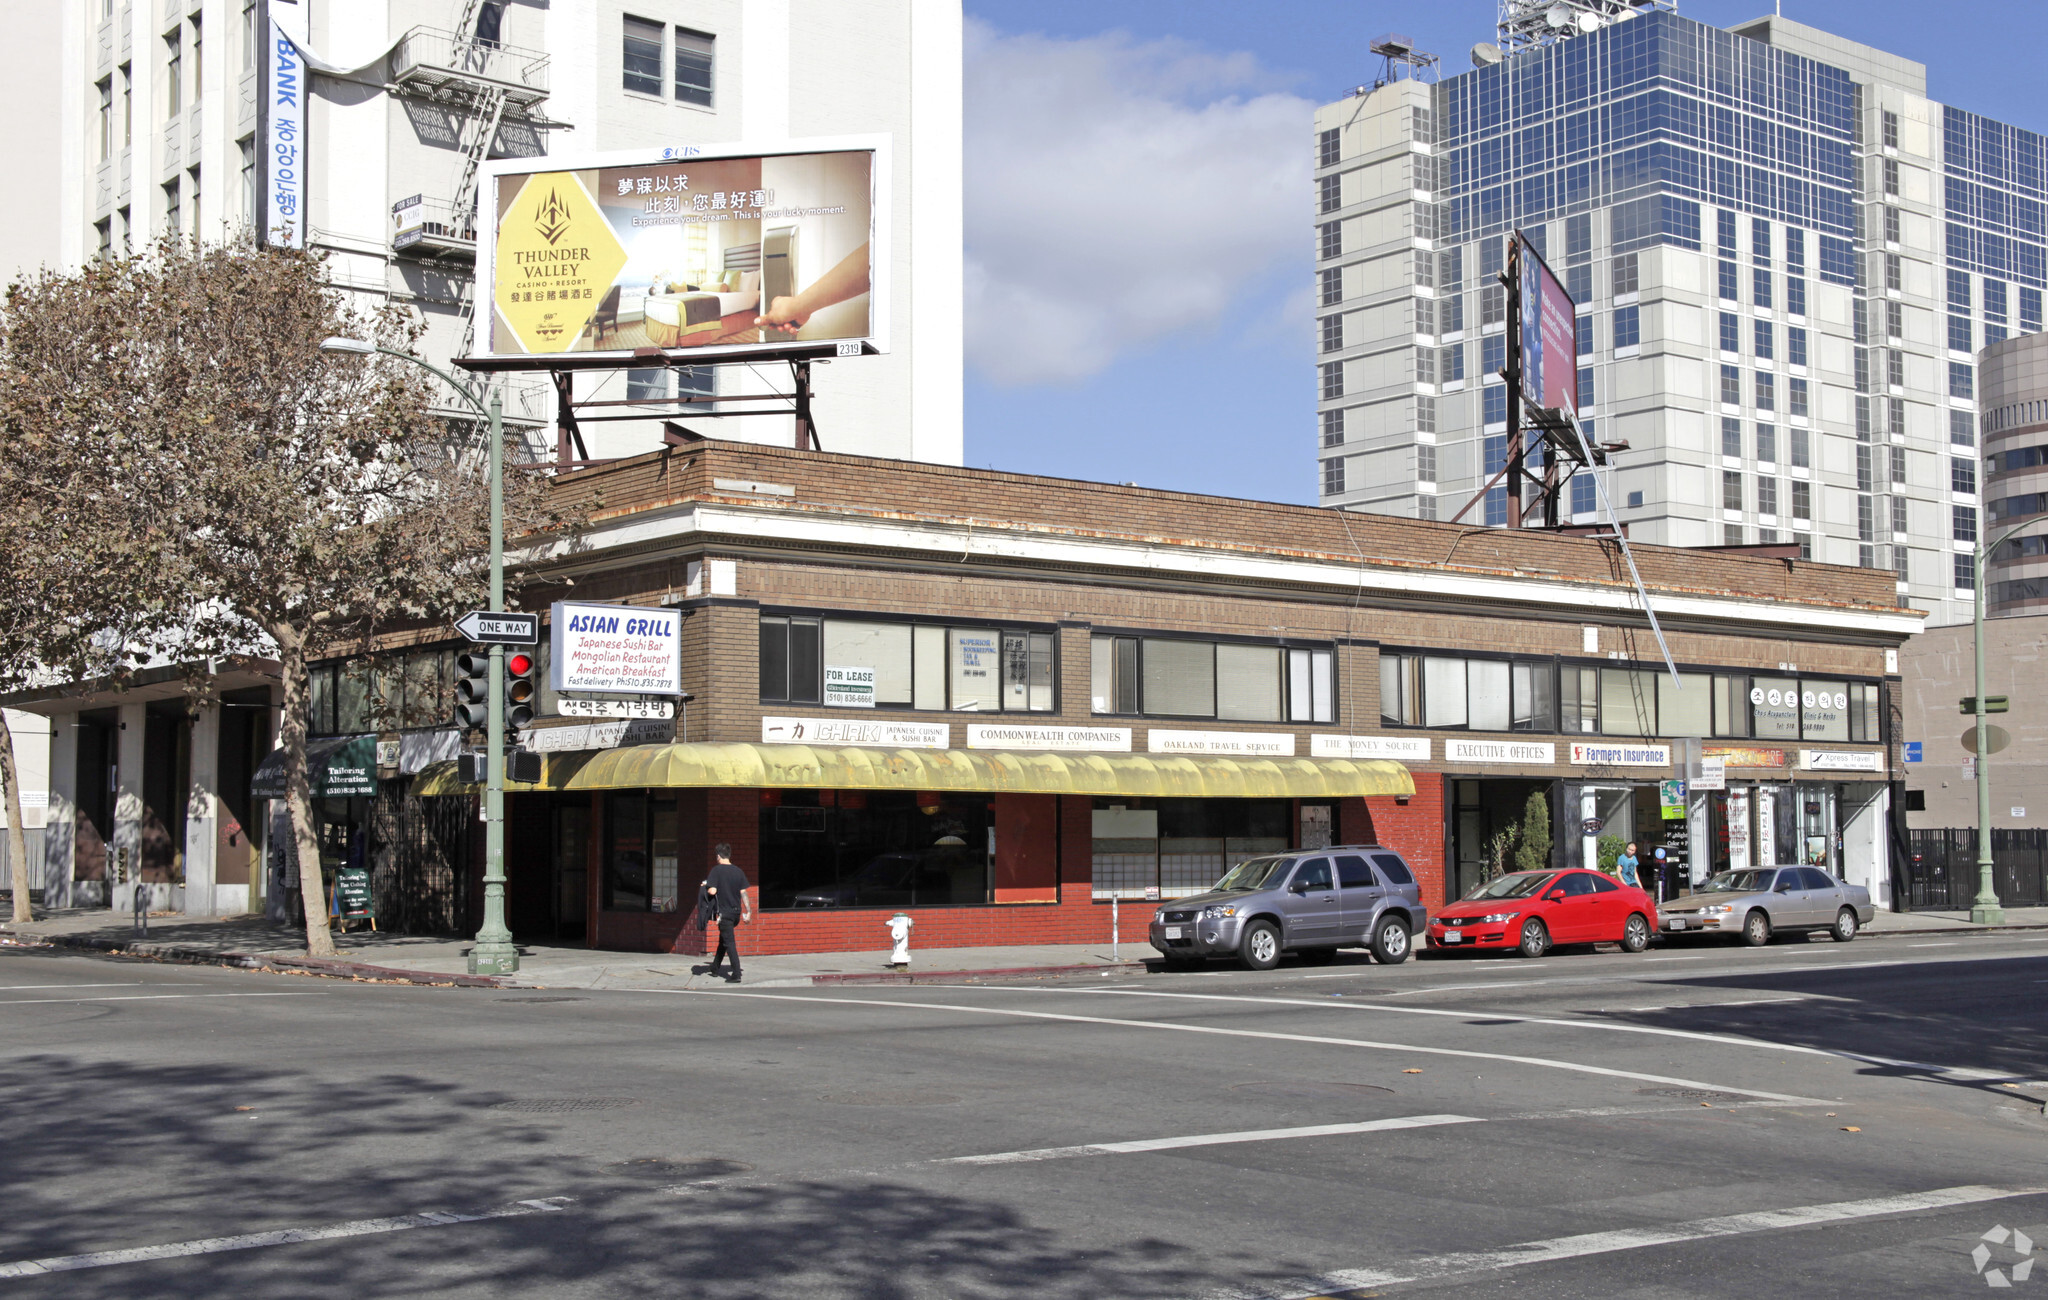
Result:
{"points": [[1824, 710], [1234, 682], [1685, 708], [1628, 703], [856, 848], [1171, 848], [641, 857], [1774, 708]]}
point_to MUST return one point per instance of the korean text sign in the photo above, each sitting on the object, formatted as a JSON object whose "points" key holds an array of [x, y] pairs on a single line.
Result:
{"points": [[1550, 346], [630, 649], [723, 255]]}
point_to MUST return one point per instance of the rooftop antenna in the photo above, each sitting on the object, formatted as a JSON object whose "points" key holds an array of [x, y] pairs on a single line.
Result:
{"points": [[1525, 24], [1401, 61]]}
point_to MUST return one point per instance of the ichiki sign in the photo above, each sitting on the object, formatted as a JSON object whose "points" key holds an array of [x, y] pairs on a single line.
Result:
{"points": [[629, 649]]}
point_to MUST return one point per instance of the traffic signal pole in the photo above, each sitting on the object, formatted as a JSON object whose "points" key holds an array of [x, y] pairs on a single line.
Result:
{"points": [[494, 952]]}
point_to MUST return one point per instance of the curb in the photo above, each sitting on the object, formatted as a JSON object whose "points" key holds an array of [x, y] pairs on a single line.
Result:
{"points": [[333, 968], [1949, 929], [949, 976]]}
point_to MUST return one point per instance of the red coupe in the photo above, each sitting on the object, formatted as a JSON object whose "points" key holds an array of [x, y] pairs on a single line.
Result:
{"points": [[1531, 911]]}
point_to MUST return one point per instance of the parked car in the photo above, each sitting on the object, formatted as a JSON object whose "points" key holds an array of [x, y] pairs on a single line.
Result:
{"points": [[1758, 902], [1532, 911], [1310, 902]]}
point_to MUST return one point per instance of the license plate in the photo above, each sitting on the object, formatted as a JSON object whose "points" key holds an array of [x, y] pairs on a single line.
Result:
{"points": [[1453, 936], [1677, 924], [1173, 932]]}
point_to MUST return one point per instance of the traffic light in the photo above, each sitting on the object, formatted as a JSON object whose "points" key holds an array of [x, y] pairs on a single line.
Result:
{"points": [[519, 688], [472, 689]]}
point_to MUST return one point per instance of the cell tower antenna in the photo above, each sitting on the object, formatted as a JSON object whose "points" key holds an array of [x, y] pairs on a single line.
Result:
{"points": [[1528, 23]]}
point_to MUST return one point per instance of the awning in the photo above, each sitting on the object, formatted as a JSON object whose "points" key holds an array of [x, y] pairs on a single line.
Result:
{"points": [[804, 767], [336, 767]]}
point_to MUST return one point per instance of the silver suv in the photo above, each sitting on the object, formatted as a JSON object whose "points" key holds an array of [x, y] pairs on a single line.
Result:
{"points": [[1312, 902]]}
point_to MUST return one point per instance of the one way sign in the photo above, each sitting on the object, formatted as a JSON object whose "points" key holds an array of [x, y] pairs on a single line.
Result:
{"points": [[488, 628]]}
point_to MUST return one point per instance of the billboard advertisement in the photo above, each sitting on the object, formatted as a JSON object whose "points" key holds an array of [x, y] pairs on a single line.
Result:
{"points": [[1550, 343], [281, 128], [721, 254], [627, 649]]}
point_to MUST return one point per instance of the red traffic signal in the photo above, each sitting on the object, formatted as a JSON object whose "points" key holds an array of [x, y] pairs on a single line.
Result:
{"points": [[519, 663], [519, 688]]}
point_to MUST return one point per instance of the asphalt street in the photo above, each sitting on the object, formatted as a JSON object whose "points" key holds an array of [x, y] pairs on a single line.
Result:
{"points": [[1810, 1119]]}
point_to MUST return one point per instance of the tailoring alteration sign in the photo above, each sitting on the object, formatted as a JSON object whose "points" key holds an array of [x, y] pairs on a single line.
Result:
{"points": [[557, 259]]}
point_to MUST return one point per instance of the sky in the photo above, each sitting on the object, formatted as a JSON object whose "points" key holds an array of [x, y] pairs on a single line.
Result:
{"points": [[1139, 217]]}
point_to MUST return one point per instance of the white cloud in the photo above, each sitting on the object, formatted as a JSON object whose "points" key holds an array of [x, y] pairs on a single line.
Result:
{"points": [[1119, 192]]}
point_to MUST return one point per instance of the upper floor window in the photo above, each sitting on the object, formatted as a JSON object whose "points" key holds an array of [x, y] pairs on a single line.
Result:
{"points": [[1456, 693], [855, 663], [694, 51], [1327, 148], [1228, 681], [641, 57], [174, 67]]}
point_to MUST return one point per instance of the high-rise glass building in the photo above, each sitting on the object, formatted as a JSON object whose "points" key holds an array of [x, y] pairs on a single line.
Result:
{"points": [[1783, 255]]}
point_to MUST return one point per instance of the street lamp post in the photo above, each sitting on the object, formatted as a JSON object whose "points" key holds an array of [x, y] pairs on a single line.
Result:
{"points": [[494, 952], [1985, 909]]}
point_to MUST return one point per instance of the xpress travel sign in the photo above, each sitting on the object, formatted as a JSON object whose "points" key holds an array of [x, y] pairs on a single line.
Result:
{"points": [[623, 649]]}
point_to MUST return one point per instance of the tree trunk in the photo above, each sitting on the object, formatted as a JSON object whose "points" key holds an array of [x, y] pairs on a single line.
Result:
{"points": [[17, 840], [298, 791]]}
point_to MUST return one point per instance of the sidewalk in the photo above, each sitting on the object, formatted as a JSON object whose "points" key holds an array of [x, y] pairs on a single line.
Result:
{"points": [[254, 943]]}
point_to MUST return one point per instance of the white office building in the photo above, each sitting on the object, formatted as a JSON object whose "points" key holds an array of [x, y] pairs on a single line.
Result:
{"points": [[155, 108]]}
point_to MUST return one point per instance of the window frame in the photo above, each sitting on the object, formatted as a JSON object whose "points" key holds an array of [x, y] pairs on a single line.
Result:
{"points": [[1001, 627], [1132, 642]]}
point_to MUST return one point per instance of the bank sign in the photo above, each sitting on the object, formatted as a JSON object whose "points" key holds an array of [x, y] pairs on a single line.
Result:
{"points": [[624, 649], [281, 128]]}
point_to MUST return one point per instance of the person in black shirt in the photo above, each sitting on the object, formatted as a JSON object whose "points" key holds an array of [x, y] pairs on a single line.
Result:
{"points": [[723, 897]]}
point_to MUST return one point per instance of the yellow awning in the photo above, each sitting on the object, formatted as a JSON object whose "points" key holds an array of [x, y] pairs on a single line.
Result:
{"points": [[805, 767]]}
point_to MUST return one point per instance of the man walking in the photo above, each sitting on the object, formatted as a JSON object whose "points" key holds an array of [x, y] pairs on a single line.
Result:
{"points": [[723, 897]]}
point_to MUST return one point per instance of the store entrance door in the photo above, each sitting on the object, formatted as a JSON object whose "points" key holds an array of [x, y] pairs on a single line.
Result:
{"points": [[1488, 823]]}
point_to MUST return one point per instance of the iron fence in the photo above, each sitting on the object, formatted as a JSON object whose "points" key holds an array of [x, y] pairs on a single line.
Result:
{"points": [[1941, 868]]}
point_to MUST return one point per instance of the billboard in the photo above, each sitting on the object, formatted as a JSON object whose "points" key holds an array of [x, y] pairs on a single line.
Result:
{"points": [[727, 254], [1550, 341], [281, 127], [627, 649]]}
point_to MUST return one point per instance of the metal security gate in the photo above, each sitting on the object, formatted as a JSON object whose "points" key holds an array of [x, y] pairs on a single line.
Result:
{"points": [[1941, 869], [420, 876]]}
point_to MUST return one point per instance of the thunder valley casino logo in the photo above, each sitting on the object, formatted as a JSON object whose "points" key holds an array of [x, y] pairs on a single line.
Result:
{"points": [[551, 218]]}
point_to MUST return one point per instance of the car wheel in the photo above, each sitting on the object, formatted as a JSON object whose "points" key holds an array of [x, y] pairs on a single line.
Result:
{"points": [[1635, 936], [1535, 939], [1844, 928], [1260, 947], [1390, 946], [1318, 956], [1756, 929]]}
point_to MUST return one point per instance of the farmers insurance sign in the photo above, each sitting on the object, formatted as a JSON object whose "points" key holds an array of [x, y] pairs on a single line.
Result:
{"points": [[630, 649]]}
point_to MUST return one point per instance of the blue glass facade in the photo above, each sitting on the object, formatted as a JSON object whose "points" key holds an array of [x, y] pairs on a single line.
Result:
{"points": [[1651, 118], [1995, 199]]}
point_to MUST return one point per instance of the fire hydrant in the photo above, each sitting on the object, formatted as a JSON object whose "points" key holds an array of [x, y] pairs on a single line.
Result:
{"points": [[899, 930]]}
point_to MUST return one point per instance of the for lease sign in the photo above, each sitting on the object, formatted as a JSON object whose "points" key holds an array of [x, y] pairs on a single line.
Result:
{"points": [[622, 648]]}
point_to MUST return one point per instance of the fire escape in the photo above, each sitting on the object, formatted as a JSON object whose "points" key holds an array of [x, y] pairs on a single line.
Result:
{"points": [[478, 82]]}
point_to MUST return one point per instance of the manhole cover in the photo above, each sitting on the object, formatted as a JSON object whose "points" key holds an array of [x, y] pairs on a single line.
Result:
{"points": [[535, 1000], [1691, 1094], [1310, 1091], [558, 1105], [896, 1097], [681, 1167]]}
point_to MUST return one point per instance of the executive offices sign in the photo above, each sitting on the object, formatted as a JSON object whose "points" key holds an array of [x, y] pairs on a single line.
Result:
{"points": [[726, 254], [624, 649], [1499, 751]]}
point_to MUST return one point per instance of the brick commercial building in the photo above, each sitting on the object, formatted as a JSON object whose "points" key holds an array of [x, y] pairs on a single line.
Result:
{"points": [[1000, 702]]}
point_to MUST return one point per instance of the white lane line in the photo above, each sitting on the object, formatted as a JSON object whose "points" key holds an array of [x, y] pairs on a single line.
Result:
{"points": [[124, 984], [1697, 957], [1604, 1243], [1268, 1035], [1481, 1014], [1209, 1140], [285, 1237], [157, 997], [1947, 943], [1649, 978]]}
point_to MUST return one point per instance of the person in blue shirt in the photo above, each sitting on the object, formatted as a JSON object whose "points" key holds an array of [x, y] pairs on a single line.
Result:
{"points": [[1625, 867]]}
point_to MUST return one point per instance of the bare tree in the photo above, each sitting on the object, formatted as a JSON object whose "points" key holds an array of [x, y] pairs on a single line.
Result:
{"points": [[303, 499]]}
